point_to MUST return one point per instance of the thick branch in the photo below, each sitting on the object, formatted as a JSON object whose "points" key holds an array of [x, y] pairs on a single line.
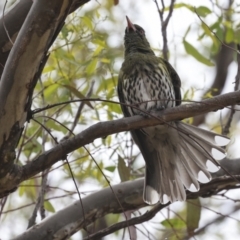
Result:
{"points": [[23, 67], [102, 129], [22, 63]]}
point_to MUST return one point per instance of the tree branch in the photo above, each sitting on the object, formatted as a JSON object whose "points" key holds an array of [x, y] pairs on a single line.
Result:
{"points": [[57, 153]]}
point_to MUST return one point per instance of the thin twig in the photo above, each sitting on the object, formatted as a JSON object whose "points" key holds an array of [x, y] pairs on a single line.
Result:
{"points": [[78, 192], [4, 25], [109, 184], [38, 110], [164, 24], [133, 221], [69, 167], [2, 204], [40, 201], [236, 87], [76, 119], [238, 52]]}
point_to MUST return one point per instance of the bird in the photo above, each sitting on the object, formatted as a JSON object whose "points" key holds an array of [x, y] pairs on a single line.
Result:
{"points": [[175, 153]]}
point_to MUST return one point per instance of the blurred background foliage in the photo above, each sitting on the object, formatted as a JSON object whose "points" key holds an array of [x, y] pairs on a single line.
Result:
{"points": [[84, 63]]}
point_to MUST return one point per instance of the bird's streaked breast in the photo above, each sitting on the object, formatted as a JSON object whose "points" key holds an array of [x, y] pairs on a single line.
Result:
{"points": [[147, 88]]}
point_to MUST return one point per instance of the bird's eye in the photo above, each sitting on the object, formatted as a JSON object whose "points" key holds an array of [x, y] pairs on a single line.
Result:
{"points": [[141, 31]]}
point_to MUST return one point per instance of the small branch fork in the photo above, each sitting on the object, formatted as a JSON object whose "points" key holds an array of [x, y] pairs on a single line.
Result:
{"points": [[164, 24]]}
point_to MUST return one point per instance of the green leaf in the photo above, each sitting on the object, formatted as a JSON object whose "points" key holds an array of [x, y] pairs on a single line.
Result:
{"points": [[193, 215], [185, 35], [123, 170], [49, 207], [110, 168], [87, 22], [51, 90], [21, 190], [208, 32], [203, 11], [191, 50], [53, 125], [98, 50], [180, 5], [64, 31], [99, 42], [49, 68], [77, 94], [105, 60], [91, 66], [229, 35], [177, 223]]}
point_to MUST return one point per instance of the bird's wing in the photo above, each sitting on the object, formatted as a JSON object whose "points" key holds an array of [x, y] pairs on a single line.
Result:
{"points": [[175, 81]]}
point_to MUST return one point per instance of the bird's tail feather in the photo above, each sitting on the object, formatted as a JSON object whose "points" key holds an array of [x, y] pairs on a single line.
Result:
{"points": [[177, 160]]}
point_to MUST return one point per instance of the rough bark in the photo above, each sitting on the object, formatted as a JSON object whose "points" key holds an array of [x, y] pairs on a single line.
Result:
{"points": [[22, 59]]}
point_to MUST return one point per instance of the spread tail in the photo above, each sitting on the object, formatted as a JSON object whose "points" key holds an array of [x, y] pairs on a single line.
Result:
{"points": [[177, 158]]}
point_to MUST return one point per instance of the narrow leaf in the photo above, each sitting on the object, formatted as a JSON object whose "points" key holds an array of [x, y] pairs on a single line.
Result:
{"points": [[87, 22], [190, 49], [91, 66], [110, 168], [123, 170], [203, 11], [177, 223], [193, 215], [77, 94], [49, 207]]}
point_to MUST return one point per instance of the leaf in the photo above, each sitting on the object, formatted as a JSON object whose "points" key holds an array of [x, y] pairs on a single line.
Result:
{"points": [[64, 32], [49, 68], [190, 49], [203, 11], [99, 42], [177, 223], [185, 35], [123, 170], [229, 35], [193, 215], [180, 5], [49, 207], [110, 168], [105, 60], [208, 32], [77, 94], [98, 50], [91, 66], [87, 22], [51, 90], [21, 190]]}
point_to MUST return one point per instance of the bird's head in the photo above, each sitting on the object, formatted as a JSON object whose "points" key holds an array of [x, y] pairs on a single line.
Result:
{"points": [[135, 39]]}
